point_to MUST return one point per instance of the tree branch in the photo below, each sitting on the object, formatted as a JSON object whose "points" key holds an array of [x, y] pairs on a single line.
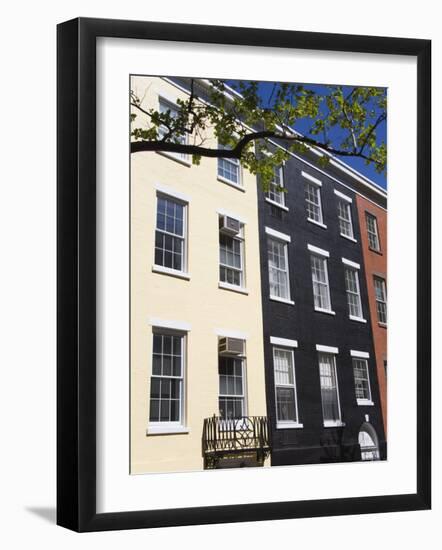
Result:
{"points": [[236, 152]]}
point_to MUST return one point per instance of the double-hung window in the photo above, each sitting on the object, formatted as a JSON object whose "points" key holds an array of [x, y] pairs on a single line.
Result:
{"points": [[231, 387], [312, 191], [166, 383], [321, 287], [372, 232], [170, 233], [285, 387], [229, 169], [231, 252], [381, 299], [275, 193], [277, 252], [353, 292], [362, 381], [344, 218], [329, 389], [173, 110]]}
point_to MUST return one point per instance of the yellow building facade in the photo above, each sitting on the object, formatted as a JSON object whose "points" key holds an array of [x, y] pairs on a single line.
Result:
{"points": [[196, 315]]}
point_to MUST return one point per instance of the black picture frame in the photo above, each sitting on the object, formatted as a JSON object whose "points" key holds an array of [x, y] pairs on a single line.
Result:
{"points": [[77, 288]]}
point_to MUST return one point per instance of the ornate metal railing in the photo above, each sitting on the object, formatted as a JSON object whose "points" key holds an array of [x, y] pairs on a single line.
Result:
{"points": [[223, 437]]}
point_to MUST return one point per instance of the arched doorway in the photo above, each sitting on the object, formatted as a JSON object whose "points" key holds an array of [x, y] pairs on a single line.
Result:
{"points": [[368, 441]]}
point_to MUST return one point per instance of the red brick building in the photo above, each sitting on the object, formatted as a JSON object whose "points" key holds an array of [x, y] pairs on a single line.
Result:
{"points": [[373, 224]]}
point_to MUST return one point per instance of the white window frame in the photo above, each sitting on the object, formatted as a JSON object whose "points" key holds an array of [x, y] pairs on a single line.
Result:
{"points": [[179, 157], [360, 357], [332, 354], [274, 189], [242, 276], [158, 268], [383, 301], [276, 237], [347, 206], [237, 184], [225, 421], [286, 424], [170, 427], [322, 256], [375, 232], [353, 267], [316, 185]]}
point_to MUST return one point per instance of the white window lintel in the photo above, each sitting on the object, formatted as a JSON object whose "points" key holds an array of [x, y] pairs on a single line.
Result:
{"points": [[342, 196], [327, 349], [174, 325], [171, 192], [319, 251], [229, 214], [278, 235], [350, 263], [360, 354], [225, 333], [283, 342], [311, 178]]}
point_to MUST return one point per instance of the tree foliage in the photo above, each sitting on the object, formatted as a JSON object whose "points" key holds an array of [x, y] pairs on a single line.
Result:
{"points": [[342, 121]]}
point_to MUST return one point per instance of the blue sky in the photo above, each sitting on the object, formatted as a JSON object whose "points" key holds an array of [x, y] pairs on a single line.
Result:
{"points": [[302, 126]]}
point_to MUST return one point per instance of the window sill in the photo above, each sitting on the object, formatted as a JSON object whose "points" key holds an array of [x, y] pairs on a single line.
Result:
{"points": [[231, 183], [166, 429], [348, 238], [328, 311], [273, 203], [172, 156], [172, 272], [227, 286], [282, 300], [334, 424], [364, 402], [288, 425], [358, 319], [320, 224], [375, 251], [382, 325]]}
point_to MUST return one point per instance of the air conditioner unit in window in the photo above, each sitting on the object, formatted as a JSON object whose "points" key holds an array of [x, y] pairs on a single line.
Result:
{"points": [[229, 225], [231, 346]]}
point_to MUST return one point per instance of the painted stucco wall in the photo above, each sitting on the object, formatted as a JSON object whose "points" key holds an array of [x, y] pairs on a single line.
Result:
{"points": [[198, 301]]}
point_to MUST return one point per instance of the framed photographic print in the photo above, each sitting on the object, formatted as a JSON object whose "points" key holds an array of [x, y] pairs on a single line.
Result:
{"points": [[224, 331]]}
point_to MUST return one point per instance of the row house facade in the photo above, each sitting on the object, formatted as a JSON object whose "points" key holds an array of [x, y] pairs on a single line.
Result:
{"points": [[253, 340]]}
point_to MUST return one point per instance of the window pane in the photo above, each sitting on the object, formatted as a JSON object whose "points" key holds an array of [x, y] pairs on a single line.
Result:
{"points": [[228, 168], [329, 391], [285, 404], [230, 257], [169, 235], [321, 294], [165, 392], [353, 295], [231, 387], [344, 216], [313, 202], [278, 269], [360, 370]]}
